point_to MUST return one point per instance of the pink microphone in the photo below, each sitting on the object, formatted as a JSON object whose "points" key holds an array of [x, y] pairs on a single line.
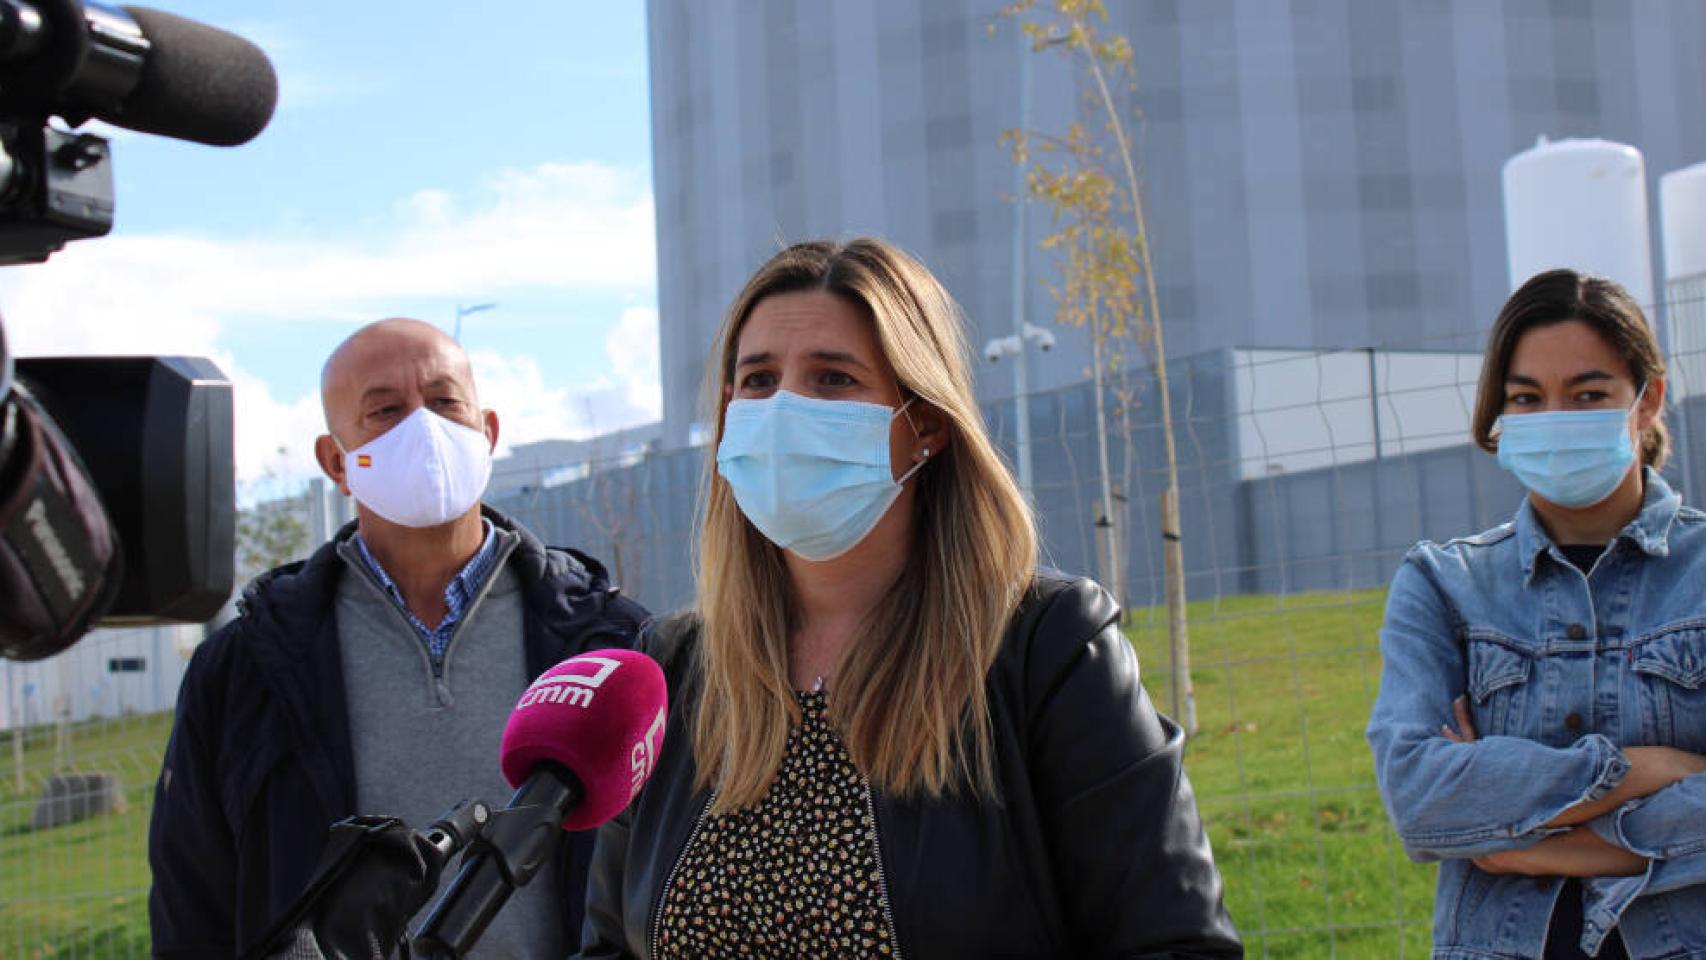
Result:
{"points": [[579, 745], [601, 715]]}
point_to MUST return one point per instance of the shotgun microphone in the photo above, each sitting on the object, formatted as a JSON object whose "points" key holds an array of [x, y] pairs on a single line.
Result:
{"points": [[142, 69]]}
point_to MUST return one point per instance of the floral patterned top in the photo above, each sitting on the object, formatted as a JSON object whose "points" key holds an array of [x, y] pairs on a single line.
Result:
{"points": [[800, 874]]}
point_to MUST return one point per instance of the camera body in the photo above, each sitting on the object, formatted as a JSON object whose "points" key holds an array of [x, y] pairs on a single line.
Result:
{"points": [[55, 186], [155, 435], [117, 475]]}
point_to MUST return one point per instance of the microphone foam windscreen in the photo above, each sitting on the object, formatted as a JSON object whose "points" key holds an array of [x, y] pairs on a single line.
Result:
{"points": [[198, 83], [601, 715]]}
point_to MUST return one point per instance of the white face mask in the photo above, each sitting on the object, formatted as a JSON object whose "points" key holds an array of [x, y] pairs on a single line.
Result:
{"points": [[422, 472]]}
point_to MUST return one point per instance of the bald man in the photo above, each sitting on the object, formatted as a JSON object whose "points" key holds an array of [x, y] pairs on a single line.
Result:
{"points": [[376, 676]]}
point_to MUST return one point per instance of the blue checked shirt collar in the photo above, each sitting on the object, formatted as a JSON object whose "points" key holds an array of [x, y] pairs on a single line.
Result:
{"points": [[458, 595]]}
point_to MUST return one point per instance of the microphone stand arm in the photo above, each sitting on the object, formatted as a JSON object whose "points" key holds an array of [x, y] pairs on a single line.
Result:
{"points": [[504, 857], [364, 867]]}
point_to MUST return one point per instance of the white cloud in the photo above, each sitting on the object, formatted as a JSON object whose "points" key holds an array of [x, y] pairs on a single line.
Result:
{"points": [[306, 76], [633, 349], [528, 410], [275, 438], [580, 227], [433, 209]]}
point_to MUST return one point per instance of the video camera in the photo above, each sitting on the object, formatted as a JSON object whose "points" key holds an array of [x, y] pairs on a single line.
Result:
{"points": [[117, 479]]}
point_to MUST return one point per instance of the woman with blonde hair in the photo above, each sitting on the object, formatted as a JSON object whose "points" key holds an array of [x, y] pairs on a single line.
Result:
{"points": [[889, 734]]}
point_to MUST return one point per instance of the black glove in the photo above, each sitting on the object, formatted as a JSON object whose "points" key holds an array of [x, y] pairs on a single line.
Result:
{"points": [[367, 906], [375, 874]]}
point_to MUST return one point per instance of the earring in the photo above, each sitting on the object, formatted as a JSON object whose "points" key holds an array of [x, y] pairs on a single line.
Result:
{"points": [[925, 455]]}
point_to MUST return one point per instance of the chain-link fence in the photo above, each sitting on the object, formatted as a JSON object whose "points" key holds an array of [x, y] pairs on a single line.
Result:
{"points": [[1304, 477], [84, 735]]}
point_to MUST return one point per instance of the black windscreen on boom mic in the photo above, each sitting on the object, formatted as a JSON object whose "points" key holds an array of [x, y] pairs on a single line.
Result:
{"points": [[198, 83], [134, 67]]}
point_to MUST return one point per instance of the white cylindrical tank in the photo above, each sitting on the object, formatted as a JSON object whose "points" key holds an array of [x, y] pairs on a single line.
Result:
{"points": [[1682, 212], [1580, 204]]}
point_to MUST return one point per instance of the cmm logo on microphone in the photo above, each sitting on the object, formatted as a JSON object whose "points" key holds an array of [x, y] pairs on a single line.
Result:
{"points": [[643, 758], [572, 688]]}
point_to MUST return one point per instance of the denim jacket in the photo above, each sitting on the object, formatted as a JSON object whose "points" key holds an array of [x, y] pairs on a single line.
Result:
{"points": [[1563, 669]]}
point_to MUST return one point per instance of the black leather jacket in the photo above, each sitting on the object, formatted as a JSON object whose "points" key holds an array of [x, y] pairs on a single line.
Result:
{"points": [[1096, 849]]}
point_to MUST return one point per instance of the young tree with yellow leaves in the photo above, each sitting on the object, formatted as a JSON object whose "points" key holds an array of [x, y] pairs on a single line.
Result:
{"points": [[1101, 241]]}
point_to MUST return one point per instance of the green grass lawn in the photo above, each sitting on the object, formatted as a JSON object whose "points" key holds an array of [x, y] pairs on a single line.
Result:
{"points": [[79, 890], [1283, 778]]}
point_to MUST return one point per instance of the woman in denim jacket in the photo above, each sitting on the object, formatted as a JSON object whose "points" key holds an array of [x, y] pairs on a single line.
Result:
{"points": [[1542, 711]]}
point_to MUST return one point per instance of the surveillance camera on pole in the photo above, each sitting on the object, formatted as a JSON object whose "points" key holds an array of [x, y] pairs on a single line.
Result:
{"points": [[1038, 337], [1000, 347]]}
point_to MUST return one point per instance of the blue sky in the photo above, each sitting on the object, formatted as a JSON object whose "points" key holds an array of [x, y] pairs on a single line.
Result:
{"points": [[423, 155]]}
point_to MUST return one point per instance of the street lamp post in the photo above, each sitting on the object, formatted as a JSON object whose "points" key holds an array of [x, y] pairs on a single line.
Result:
{"points": [[1021, 380], [1024, 331], [1014, 346], [462, 311]]}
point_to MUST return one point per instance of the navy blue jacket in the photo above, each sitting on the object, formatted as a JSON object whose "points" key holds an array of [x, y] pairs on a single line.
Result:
{"points": [[260, 764]]}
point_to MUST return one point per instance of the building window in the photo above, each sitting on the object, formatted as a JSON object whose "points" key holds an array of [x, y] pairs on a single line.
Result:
{"points": [[1385, 192], [954, 227], [944, 37], [1377, 94], [1577, 96], [1393, 291], [781, 168], [947, 133]]}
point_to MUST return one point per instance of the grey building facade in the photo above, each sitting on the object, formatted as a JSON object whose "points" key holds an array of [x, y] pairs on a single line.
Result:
{"points": [[1326, 214], [1321, 174]]}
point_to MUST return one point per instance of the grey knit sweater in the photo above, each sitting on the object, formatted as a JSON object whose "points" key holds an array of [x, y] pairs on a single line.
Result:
{"points": [[424, 742]]}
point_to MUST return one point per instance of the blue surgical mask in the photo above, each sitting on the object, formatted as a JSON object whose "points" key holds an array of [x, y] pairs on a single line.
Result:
{"points": [[1573, 458], [812, 475]]}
